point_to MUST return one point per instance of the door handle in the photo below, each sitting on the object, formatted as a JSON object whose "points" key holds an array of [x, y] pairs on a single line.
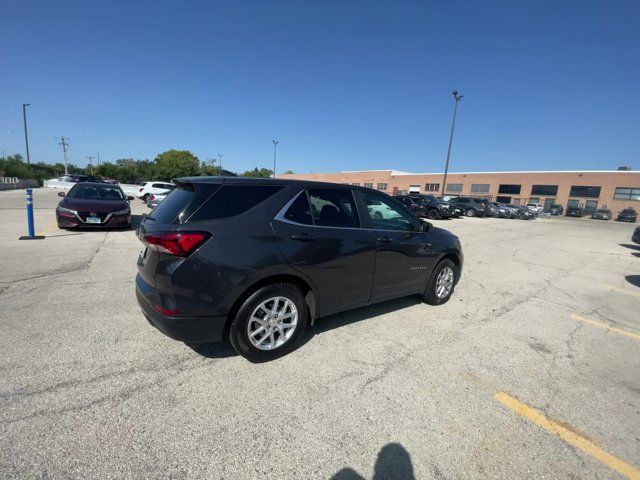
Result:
{"points": [[302, 237], [385, 239]]}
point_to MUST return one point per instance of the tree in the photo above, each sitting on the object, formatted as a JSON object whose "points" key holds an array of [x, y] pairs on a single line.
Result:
{"points": [[262, 173], [176, 163], [289, 172]]}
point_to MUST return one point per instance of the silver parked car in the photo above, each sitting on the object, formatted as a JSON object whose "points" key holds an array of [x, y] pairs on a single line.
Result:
{"points": [[154, 199]]}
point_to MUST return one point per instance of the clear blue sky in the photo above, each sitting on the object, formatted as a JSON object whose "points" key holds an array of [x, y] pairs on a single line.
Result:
{"points": [[343, 85]]}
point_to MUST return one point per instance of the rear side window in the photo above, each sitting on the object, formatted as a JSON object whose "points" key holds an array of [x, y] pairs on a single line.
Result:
{"points": [[232, 200], [333, 207], [300, 211], [180, 203]]}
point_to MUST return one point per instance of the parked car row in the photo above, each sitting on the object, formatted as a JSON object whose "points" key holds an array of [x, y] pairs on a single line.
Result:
{"points": [[434, 208], [77, 178], [626, 215]]}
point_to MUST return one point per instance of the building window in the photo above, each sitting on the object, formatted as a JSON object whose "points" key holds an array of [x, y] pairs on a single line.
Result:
{"points": [[627, 193], [414, 188], [534, 200], [546, 190], [480, 188], [382, 186], [432, 187], [356, 184], [584, 191], [368, 185], [510, 189], [454, 187]]}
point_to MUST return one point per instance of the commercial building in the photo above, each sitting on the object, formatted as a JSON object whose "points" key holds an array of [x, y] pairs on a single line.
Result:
{"points": [[613, 189]]}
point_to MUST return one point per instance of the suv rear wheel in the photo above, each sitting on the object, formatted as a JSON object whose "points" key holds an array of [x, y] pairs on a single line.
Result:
{"points": [[433, 213], [442, 283], [470, 212], [269, 323]]}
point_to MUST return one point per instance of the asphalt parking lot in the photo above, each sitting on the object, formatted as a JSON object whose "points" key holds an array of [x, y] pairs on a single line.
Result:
{"points": [[530, 371]]}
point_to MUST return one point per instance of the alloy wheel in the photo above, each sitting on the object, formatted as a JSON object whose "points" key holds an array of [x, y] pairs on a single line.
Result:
{"points": [[272, 323], [444, 282]]}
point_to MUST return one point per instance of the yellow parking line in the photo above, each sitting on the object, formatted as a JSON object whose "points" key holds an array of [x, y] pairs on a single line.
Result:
{"points": [[622, 290], [606, 327], [568, 436]]}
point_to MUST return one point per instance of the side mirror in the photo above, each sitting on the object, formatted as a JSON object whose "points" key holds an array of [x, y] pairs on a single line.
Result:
{"points": [[129, 198], [425, 226], [61, 194]]}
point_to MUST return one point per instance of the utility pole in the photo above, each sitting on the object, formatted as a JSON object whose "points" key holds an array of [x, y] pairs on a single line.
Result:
{"points": [[98, 158], [26, 137], [90, 164], [63, 142], [453, 125], [220, 155], [275, 151]]}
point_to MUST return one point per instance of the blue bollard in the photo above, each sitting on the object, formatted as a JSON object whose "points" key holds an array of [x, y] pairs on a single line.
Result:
{"points": [[30, 225]]}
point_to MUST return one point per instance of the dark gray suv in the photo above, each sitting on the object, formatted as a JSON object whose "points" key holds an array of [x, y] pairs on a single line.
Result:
{"points": [[256, 261]]}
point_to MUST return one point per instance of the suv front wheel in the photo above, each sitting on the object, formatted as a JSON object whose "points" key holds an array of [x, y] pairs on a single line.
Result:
{"points": [[269, 323], [442, 282], [471, 212]]}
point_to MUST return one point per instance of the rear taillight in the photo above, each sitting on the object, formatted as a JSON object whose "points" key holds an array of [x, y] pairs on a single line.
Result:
{"points": [[180, 244]]}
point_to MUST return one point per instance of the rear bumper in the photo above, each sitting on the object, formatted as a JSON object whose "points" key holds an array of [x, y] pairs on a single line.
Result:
{"points": [[184, 329]]}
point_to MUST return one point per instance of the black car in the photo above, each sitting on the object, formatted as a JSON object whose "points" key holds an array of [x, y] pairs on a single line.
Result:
{"points": [[602, 214], [471, 207], [256, 261], [415, 205], [522, 213], [555, 209], [627, 215], [436, 208], [574, 212], [635, 238]]}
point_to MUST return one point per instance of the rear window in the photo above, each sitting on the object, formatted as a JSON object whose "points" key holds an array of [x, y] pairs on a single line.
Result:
{"points": [[232, 200], [181, 202]]}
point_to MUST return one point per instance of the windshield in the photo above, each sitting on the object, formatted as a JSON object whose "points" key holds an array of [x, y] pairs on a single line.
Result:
{"points": [[603, 210], [96, 192]]}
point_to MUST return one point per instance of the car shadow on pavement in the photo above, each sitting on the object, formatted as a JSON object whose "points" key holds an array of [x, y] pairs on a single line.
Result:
{"points": [[393, 463], [213, 350], [633, 280], [628, 245], [359, 314]]}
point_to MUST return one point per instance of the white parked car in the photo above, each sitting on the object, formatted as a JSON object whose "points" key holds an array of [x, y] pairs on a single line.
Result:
{"points": [[148, 188], [535, 207]]}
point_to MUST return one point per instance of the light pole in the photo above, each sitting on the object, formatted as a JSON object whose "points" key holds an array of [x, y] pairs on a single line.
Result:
{"points": [[63, 142], [275, 151], [220, 155], [26, 136], [90, 164], [453, 125], [98, 158]]}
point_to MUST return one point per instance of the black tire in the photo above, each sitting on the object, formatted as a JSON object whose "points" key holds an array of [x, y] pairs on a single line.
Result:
{"points": [[144, 197], [470, 212], [433, 214], [239, 337], [430, 294]]}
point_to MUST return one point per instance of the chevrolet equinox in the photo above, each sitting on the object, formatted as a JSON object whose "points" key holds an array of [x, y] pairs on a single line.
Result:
{"points": [[258, 260]]}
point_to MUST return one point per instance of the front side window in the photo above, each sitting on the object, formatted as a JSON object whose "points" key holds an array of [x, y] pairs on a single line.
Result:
{"points": [[386, 215], [333, 207]]}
